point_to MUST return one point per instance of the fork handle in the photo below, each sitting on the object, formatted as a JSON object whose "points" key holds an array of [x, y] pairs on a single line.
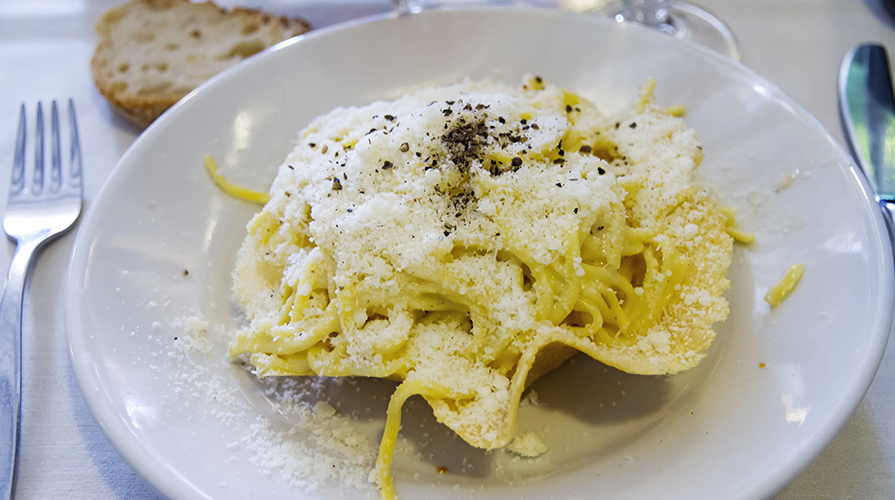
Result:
{"points": [[11, 363]]}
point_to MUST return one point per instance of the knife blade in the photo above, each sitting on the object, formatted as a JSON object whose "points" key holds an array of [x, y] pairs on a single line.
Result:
{"points": [[867, 111]]}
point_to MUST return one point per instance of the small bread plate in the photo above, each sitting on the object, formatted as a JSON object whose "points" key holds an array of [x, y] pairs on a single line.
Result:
{"points": [[149, 308]]}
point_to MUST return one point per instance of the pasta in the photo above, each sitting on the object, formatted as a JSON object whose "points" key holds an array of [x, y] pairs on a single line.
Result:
{"points": [[778, 293], [466, 240]]}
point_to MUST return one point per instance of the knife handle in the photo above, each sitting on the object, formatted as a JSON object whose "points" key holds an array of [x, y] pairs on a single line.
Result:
{"points": [[11, 364]]}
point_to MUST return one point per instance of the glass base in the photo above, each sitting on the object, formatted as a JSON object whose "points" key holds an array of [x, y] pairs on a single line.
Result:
{"points": [[404, 7], [686, 22]]}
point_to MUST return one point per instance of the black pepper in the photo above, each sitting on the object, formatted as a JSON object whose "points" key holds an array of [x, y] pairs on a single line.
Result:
{"points": [[633, 125], [585, 149], [390, 118], [463, 143], [405, 147], [600, 170], [387, 165], [517, 162]]}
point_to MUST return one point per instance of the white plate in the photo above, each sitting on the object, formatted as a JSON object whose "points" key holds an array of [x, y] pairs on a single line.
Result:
{"points": [[732, 428]]}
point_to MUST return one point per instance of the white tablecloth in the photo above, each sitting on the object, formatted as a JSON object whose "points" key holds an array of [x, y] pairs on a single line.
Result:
{"points": [[45, 49]]}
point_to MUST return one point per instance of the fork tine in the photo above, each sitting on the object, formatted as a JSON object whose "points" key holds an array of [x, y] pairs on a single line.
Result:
{"points": [[37, 181], [55, 150], [75, 169], [18, 166]]}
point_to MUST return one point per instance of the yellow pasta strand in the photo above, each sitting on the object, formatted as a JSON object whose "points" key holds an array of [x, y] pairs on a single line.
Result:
{"points": [[778, 293], [233, 190], [393, 425], [646, 96], [292, 364], [738, 235], [677, 110]]}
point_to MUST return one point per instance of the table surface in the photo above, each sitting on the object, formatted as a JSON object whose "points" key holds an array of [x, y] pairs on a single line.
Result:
{"points": [[45, 49]]}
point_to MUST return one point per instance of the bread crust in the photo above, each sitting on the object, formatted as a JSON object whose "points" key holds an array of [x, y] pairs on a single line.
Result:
{"points": [[141, 105]]}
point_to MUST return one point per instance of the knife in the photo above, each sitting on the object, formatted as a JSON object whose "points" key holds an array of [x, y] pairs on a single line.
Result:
{"points": [[867, 111]]}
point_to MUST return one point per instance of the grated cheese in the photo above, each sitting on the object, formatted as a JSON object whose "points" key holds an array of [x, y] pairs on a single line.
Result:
{"points": [[319, 447], [527, 444]]}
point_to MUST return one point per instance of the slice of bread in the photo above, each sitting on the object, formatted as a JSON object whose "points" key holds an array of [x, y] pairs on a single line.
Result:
{"points": [[151, 53]]}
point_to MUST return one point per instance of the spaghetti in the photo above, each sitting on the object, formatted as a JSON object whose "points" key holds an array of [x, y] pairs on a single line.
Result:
{"points": [[465, 240]]}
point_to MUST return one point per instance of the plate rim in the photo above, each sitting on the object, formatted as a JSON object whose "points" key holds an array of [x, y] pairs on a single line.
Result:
{"points": [[161, 476]]}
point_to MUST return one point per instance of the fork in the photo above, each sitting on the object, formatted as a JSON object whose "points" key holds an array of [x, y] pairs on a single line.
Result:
{"points": [[40, 207]]}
